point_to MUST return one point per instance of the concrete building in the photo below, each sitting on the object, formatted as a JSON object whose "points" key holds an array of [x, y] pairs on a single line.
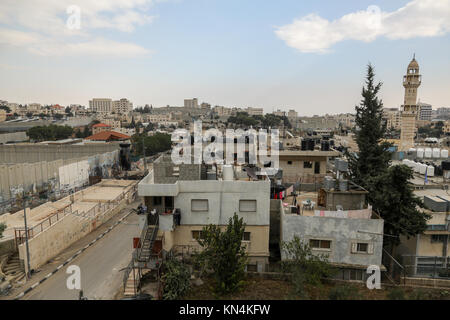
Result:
{"points": [[202, 198], [304, 166], [101, 105], [393, 118], [122, 106], [410, 109], [99, 127], [191, 103], [351, 237], [428, 254], [254, 111], [425, 111]]}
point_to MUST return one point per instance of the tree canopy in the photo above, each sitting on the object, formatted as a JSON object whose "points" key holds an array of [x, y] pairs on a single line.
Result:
{"points": [[390, 192], [50, 132]]}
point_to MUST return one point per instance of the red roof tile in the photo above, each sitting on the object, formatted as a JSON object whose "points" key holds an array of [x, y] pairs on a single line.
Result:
{"points": [[108, 135], [101, 125]]}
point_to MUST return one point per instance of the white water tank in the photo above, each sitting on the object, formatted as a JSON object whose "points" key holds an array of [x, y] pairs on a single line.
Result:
{"points": [[436, 153], [444, 154], [420, 153], [430, 171], [416, 167], [422, 168], [428, 153], [227, 171]]}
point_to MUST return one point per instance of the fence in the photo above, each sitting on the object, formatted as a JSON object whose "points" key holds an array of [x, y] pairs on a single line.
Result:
{"points": [[430, 267], [100, 208], [396, 272]]}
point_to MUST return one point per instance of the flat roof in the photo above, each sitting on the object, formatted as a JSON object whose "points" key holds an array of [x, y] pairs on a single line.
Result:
{"points": [[309, 153]]}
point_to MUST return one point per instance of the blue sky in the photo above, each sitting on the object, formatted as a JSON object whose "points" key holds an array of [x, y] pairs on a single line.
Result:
{"points": [[232, 53]]}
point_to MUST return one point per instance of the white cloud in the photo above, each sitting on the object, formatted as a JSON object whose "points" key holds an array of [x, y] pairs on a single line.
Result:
{"points": [[40, 26], [418, 18]]}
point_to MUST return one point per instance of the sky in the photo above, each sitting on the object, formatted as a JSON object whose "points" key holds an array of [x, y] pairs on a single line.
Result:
{"points": [[307, 55]]}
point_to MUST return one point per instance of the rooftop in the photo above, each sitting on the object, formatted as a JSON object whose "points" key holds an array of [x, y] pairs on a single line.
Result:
{"points": [[108, 136]]}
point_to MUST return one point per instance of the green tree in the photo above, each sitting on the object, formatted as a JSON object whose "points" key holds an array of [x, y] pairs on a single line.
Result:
{"points": [[6, 108], [389, 190], [224, 254], [373, 157], [176, 279], [306, 267], [159, 142], [51, 132]]}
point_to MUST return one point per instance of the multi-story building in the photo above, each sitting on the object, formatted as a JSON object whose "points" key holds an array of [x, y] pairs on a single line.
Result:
{"points": [[191, 103], [279, 113], [393, 118], [304, 166], [428, 254], [340, 225], [122, 106], [34, 107], [425, 111], [201, 197], [101, 105], [254, 111]]}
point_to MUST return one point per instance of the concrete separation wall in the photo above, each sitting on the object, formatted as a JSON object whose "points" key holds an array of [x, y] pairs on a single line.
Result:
{"points": [[13, 137], [54, 177]]}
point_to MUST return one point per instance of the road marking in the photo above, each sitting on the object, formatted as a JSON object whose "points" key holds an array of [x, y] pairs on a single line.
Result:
{"points": [[20, 295]]}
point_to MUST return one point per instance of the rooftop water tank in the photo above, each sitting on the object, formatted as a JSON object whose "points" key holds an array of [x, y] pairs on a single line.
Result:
{"points": [[422, 168], [430, 171], [343, 185], [436, 153], [416, 167], [428, 153], [228, 174], [444, 154], [420, 152]]}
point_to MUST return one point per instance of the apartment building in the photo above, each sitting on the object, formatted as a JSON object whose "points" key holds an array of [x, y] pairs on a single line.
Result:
{"points": [[428, 254], [393, 118], [425, 111], [254, 111], [191, 103], [101, 105], [2, 115], [122, 106], [203, 196]]}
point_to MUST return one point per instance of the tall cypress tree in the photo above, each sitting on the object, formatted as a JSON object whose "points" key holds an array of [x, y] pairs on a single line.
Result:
{"points": [[390, 192], [373, 157]]}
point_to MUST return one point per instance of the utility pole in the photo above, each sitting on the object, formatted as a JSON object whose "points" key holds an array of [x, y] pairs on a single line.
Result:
{"points": [[143, 150], [26, 235]]}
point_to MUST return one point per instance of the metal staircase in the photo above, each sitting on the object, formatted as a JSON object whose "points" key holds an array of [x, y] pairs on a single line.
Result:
{"points": [[142, 258]]}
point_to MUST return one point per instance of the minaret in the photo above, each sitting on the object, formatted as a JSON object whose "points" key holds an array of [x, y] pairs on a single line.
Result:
{"points": [[410, 110]]}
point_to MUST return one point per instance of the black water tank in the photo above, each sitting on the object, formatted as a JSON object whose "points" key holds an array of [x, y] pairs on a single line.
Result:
{"points": [[304, 144], [311, 144], [445, 165]]}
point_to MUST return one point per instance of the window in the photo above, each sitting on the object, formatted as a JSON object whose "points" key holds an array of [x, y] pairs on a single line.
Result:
{"points": [[247, 205], [199, 205], [362, 247], [197, 235], [307, 164], [320, 244], [317, 167], [157, 201], [438, 238], [289, 162], [246, 236]]}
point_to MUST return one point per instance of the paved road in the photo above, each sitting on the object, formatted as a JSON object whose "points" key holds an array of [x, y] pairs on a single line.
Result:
{"points": [[100, 265]]}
